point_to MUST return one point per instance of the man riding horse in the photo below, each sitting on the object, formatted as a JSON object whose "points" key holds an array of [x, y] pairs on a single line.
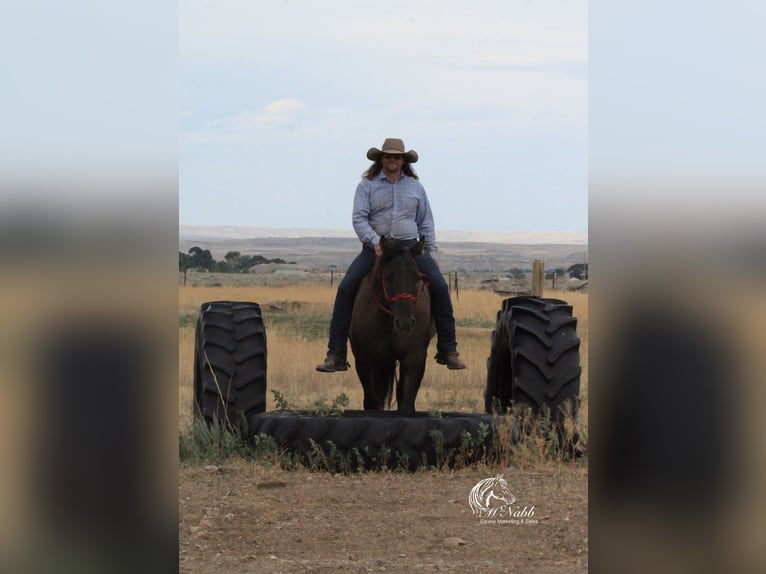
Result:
{"points": [[391, 202]]}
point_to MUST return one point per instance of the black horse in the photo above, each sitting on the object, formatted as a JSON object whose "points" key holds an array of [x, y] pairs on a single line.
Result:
{"points": [[392, 323]]}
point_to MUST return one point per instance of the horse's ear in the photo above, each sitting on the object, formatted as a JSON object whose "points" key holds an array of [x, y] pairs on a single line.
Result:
{"points": [[418, 249]]}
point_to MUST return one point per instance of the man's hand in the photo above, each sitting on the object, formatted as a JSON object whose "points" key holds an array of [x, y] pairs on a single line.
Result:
{"points": [[378, 249], [436, 261]]}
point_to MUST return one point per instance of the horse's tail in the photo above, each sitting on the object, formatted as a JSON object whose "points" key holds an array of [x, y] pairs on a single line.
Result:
{"points": [[391, 381]]}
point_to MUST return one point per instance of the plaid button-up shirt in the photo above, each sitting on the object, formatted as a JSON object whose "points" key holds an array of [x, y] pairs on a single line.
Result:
{"points": [[396, 210]]}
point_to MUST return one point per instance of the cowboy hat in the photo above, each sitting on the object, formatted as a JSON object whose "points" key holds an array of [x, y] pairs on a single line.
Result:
{"points": [[392, 145]]}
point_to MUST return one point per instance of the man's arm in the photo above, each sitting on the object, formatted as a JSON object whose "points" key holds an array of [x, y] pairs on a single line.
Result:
{"points": [[425, 221], [360, 218]]}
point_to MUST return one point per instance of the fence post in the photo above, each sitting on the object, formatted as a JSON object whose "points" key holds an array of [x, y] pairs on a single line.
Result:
{"points": [[331, 278], [538, 277], [457, 289]]}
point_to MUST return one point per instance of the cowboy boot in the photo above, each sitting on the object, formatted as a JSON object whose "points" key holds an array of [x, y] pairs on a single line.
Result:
{"points": [[333, 363], [450, 359]]}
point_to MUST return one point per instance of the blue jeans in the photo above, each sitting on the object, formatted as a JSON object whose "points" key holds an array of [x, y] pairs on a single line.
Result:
{"points": [[441, 304]]}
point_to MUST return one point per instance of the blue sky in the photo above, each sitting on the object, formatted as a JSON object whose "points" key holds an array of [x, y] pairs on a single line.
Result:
{"points": [[279, 102]]}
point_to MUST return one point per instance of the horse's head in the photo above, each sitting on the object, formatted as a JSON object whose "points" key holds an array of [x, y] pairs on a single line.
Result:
{"points": [[400, 282], [491, 496], [502, 492]]}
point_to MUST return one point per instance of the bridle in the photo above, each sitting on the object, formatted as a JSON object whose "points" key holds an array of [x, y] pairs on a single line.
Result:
{"points": [[398, 296]]}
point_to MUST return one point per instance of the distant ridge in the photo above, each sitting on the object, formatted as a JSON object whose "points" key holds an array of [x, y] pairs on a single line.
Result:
{"points": [[213, 233]]}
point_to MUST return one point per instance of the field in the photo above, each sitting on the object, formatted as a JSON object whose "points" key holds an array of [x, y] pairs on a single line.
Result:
{"points": [[244, 515]]}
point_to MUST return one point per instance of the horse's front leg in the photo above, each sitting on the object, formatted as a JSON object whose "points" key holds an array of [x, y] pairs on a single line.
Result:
{"points": [[375, 376], [410, 375], [365, 372]]}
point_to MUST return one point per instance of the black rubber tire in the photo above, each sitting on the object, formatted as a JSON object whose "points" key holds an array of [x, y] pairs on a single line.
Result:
{"points": [[230, 363], [381, 438], [535, 357], [498, 393]]}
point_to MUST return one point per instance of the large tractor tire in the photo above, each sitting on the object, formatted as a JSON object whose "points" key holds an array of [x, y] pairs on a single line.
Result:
{"points": [[534, 358], [230, 363], [378, 439]]}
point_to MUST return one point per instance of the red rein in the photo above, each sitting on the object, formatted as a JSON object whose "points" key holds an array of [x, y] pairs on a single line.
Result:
{"points": [[398, 296]]}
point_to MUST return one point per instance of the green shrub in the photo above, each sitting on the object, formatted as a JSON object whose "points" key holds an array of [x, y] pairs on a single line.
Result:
{"points": [[213, 442]]}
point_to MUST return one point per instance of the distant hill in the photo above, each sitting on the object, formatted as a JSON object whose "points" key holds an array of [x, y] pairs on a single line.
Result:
{"points": [[324, 249], [213, 233]]}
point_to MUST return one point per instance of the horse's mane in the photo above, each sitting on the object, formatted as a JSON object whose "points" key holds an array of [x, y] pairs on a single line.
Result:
{"points": [[393, 248], [396, 247]]}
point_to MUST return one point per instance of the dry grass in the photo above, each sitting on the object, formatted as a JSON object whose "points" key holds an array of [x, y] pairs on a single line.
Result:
{"points": [[297, 339]]}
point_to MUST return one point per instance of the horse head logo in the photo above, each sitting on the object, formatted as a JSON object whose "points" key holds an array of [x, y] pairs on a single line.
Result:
{"points": [[490, 497]]}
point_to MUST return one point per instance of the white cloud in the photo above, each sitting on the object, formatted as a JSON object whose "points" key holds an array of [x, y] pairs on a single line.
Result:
{"points": [[284, 107], [276, 114]]}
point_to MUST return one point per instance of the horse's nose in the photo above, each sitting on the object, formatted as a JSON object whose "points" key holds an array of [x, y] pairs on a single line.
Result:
{"points": [[404, 326]]}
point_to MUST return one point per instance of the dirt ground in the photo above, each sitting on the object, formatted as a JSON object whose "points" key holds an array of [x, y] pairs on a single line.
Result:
{"points": [[245, 517]]}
